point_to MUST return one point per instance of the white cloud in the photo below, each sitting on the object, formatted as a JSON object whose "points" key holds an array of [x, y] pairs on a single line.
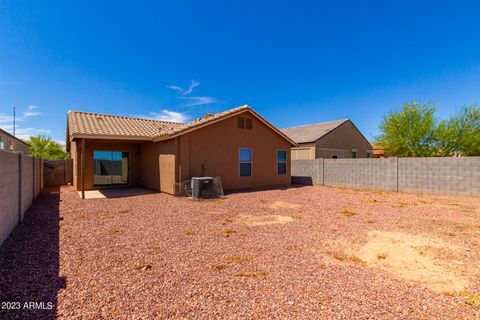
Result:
{"points": [[198, 101], [30, 112], [186, 91], [25, 133], [165, 115]]}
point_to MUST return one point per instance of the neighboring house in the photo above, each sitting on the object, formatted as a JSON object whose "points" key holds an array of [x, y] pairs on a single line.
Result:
{"points": [[238, 145], [378, 151], [333, 139], [9, 142]]}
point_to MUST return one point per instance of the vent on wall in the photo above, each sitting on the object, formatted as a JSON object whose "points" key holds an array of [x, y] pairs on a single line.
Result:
{"points": [[240, 122], [244, 123], [248, 124]]}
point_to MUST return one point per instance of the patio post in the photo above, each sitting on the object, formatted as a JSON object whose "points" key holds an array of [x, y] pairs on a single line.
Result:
{"points": [[82, 169]]}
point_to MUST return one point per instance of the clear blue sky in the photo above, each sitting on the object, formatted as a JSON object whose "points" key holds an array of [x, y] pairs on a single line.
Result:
{"points": [[295, 62]]}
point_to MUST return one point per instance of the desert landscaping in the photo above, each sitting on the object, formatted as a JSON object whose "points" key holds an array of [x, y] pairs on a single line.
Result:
{"points": [[310, 252]]}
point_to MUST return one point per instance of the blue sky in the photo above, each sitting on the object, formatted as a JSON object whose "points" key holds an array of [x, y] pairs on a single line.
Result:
{"points": [[295, 62]]}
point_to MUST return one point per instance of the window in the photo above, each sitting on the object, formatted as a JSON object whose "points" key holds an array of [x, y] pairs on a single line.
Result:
{"points": [[248, 124], [334, 156], [2, 144], [281, 162], [369, 154], [110, 168], [241, 122], [245, 162], [354, 154]]}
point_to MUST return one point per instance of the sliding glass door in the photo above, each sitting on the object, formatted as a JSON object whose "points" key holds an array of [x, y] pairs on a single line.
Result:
{"points": [[110, 168]]}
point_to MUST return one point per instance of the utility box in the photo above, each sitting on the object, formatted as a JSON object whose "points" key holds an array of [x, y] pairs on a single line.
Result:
{"points": [[203, 187]]}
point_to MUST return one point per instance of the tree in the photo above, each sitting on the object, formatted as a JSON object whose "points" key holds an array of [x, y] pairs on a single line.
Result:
{"points": [[410, 132], [46, 148], [460, 135]]}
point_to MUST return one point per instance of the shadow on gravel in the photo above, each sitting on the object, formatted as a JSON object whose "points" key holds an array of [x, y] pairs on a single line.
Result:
{"points": [[267, 188], [29, 262]]}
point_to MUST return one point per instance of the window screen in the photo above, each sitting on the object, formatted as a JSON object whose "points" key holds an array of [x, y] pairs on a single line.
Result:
{"points": [[282, 162], [245, 162]]}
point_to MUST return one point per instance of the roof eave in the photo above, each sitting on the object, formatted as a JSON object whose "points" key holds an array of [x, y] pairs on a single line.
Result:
{"points": [[109, 137]]}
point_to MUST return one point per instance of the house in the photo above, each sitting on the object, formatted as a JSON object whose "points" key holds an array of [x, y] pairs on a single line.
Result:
{"points": [[238, 145], [333, 139], [378, 150], [9, 142]]}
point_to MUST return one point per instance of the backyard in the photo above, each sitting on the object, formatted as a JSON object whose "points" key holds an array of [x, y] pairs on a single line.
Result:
{"points": [[302, 252]]}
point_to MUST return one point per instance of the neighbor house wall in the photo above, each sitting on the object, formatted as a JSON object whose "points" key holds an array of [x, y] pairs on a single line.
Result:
{"points": [[11, 143], [214, 151], [305, 152], [20, 183], [342, 140]]}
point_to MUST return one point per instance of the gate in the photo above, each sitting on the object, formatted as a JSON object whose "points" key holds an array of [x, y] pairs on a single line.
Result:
{"points": [[57, 172]]}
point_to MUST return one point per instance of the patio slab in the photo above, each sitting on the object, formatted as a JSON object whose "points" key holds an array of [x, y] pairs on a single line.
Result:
{"points": [[115, 193]]}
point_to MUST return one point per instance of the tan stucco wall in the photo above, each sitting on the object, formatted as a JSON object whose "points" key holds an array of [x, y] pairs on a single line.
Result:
{"points": [[344, 138], [305, 152], [12, 144], [150, 157], [214, 151]]}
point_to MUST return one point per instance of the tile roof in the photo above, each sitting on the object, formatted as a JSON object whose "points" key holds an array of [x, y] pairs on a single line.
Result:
{"points": [[312, 132], [95, 124], [86, 124], [200, 122]]}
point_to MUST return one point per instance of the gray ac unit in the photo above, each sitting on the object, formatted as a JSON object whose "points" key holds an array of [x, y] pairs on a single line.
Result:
{"points": [[203, 187]]}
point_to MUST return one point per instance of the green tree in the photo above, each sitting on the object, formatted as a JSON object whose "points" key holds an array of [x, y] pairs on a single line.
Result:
{"points": [[410, 132], [46, 148], [460, 135]]}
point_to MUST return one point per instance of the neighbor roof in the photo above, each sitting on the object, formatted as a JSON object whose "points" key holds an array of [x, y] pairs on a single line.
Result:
{"points": [[13, 137], [95, 125], [312, 132]]}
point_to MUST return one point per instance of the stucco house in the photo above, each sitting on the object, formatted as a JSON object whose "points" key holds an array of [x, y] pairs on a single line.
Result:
{"points": [[238, 145], [332, 139], [8, 142]]}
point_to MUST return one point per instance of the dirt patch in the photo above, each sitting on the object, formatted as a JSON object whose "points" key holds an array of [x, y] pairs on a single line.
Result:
{"points": [[284, 205], [253, 221], [414, 258]]}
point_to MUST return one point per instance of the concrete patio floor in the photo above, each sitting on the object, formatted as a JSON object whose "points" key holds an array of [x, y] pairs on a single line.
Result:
{"points": [[115, 193]]}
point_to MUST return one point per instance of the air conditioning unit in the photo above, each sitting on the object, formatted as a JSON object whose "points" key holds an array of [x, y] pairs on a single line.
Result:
{"points": [[203, 187]]}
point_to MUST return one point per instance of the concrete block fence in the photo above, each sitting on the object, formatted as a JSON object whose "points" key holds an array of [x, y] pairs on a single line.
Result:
{"points": [[21, 181], [446, 176]]}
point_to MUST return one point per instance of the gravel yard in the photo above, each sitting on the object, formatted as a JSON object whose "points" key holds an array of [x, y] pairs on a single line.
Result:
{"points": [[298, 253]]}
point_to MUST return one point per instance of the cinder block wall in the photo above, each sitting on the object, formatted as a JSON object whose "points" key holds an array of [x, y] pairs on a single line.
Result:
{"points": [[8, 193], [27, 183], [378, 174], [447, 176], [21, 180], [450, 176], [307, 171]]}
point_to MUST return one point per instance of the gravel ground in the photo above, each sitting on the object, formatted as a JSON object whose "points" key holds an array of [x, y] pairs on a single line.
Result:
{"points": [[297, 253]]}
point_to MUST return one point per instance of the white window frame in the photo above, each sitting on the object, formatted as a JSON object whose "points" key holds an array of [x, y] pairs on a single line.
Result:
{"points": [[240, 162], [286, 162]]}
